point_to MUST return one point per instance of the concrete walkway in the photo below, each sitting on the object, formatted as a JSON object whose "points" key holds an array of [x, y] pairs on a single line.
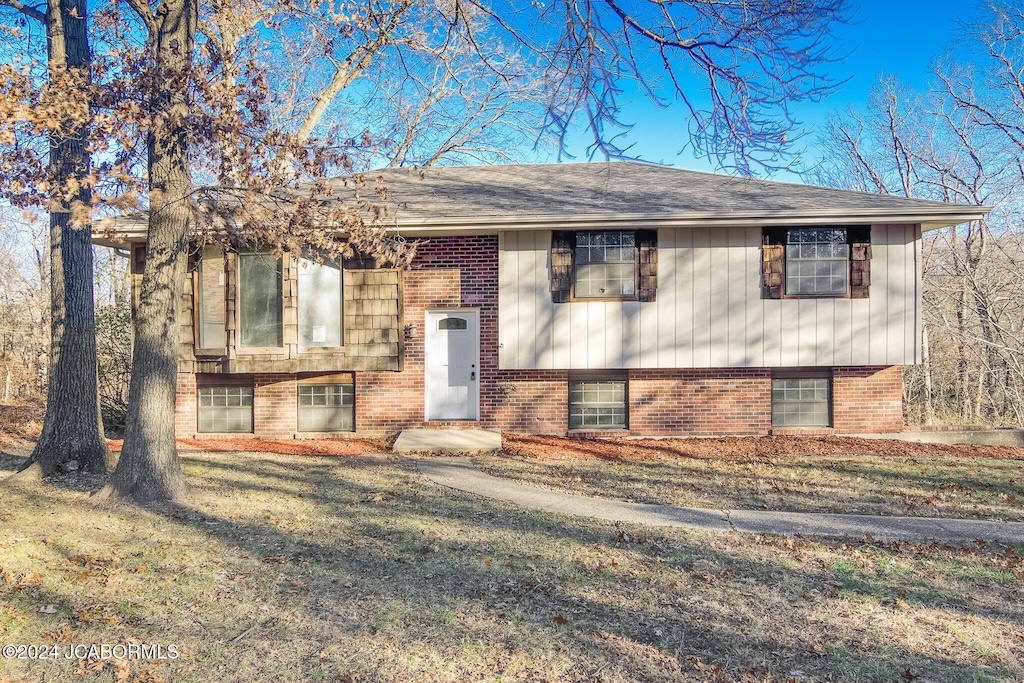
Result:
{"points": [[460, 474]]}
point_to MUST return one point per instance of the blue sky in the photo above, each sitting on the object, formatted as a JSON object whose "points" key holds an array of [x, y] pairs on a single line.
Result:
{"points": [[899, 37]]}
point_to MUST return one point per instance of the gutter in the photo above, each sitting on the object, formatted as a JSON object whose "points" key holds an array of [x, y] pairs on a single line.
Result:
{"points": [[133, 228]]}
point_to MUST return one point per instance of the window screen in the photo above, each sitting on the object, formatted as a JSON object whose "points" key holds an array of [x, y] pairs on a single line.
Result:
{"points": [[327, 408], [225, 409], [597, 405], [259, 305], [605, 265], [319, 304], [817, 261], [802, 402], [211, 298]]}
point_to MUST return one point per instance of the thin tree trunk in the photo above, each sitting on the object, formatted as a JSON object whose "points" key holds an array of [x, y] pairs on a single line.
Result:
{"points": [[72, 430], [149, 468], [926, 360]]}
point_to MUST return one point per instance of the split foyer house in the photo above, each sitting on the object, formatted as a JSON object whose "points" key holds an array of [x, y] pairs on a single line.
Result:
{"points": [[553, 299]]}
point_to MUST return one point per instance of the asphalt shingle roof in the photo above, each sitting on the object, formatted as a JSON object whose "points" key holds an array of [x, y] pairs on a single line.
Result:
{"points": [[610, 189]]}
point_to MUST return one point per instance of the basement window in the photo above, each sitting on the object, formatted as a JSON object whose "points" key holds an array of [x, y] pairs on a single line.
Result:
{"points": [[597, 404], [327, 408], [225, 409], [802, 401]]}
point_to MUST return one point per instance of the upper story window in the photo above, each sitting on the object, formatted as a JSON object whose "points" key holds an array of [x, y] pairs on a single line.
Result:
{"points": [[269, 291], [320, 304], [260, 315], [604, 264], [210, 291], [817, 262], [820, 261]]}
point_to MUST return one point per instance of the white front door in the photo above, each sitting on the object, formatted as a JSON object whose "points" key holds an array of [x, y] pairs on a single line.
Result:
{"points": [[452, 365]]}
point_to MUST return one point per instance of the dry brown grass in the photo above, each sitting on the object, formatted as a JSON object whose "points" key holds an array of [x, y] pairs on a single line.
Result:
{"points": [[798, 474], [20, 425], [300, 568]]}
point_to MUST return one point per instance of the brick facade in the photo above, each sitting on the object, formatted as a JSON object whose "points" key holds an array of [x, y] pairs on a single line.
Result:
{"points": [[700, 402], [867, 399], [462, 272]]}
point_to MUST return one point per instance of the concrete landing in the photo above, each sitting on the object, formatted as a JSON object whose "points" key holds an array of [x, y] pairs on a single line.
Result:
{"points": [[460, 474], [448, 441]]}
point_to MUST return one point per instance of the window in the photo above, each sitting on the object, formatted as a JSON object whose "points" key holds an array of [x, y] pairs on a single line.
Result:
{"points": [[597, 405], [259, 306], [327, 408], [225, 409], [822, 261], [817, 262], [802, 401], [452, 324], [606, 264], [320, 304], [210, 298]]}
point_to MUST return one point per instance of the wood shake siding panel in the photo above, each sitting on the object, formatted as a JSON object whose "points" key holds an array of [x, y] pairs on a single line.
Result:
{"points": [[373, 317], [709, 311]]}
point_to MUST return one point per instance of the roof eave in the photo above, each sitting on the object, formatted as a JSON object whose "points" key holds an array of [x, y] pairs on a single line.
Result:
{"points": [[135, 230], [929, 220]]}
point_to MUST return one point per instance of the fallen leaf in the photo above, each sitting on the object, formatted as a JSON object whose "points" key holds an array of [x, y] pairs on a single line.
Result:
{"points": [[122, 670], [560, 620]]}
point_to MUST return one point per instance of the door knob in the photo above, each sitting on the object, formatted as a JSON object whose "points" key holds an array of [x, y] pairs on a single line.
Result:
{"points": [[472, 376]]}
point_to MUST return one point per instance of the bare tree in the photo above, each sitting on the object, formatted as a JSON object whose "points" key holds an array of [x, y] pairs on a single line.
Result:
{"points": [[24, 306], [935, 145], [72, 430], [735, 68]]}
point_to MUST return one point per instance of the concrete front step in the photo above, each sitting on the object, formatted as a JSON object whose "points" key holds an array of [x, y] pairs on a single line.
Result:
{"points": [[448, 441]]}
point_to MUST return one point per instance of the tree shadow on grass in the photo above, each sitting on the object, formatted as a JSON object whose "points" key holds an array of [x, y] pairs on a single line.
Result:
{"points": [[472, 588], [653, 482], [389, 555], [10, 463]]}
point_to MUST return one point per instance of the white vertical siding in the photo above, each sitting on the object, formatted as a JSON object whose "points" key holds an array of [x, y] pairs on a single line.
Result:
{"points": [[709, 311], [755, 310]]}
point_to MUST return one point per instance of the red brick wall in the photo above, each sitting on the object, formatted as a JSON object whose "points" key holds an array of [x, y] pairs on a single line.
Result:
{"points": [[527, 401], [700, 402], [186, 419], [462, 272], [867, 400], [274, 405]]}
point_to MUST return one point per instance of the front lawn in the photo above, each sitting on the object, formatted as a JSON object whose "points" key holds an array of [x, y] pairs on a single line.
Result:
{"points": [[808, 475], [303, 568]]}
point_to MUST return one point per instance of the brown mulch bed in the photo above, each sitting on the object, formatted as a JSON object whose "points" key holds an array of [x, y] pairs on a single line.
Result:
{"points": [[292, 447], [546, 448]]}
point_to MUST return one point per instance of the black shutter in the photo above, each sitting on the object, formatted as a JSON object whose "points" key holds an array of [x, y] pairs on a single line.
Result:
{"points": [[563, 244], [647, 243]]}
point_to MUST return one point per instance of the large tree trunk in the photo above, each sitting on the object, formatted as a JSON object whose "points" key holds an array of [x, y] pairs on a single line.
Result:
{"points": [[149, 468], [72, 430]]}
